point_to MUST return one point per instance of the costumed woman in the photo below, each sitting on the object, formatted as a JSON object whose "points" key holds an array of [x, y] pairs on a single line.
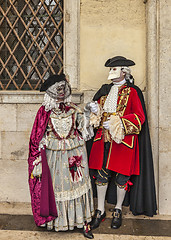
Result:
{"points": [[60, 187]]}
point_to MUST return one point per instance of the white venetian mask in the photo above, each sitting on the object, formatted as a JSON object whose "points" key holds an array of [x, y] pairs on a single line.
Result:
{"points": [[114, 73]]}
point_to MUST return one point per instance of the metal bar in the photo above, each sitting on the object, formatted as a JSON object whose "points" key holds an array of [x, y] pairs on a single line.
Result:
{"points": [[21, 35]]}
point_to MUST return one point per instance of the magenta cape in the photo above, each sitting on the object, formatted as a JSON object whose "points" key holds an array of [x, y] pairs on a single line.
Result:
{"points": [[42, 195]]}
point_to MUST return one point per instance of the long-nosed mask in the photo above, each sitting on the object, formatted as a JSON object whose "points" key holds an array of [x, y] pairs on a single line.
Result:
{"points": [[114, 73]]}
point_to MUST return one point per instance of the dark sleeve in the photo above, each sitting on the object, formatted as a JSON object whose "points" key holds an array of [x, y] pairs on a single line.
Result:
{"points": [[104, 90]]}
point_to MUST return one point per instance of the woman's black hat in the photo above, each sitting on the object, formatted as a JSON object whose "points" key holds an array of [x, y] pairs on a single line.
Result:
{"points": [[119, 61], [52, 80]]}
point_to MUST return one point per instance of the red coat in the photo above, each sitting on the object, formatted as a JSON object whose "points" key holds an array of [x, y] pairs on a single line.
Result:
{"points": [[124, 157]]}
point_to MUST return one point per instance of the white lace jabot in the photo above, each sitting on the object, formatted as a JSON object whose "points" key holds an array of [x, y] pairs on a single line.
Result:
{"points": [[111, 100]]}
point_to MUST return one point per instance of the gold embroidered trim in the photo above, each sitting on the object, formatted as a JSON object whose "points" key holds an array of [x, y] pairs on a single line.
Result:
{"points": [[109, 155], [104, 171], [138, 121], [130, 128], [105, 114], [59, 115], [96, 139], [100, 183], [132, 144], [102, 100], [107, 136], [101, 175], [124, 96], [52, 149], [76, 107], [32, 177]]}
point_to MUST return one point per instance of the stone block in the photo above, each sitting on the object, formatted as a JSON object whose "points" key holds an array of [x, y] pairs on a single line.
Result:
{"points": [[164, 137], [7, 117], [15, 145], [12, 97], [14, 181], [164, 183], [71, 51], [0, 147], [88, 96], [25, 116], [77, 97], [15, 208]]}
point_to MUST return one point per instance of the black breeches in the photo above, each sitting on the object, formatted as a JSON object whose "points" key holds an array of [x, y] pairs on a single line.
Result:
{"points": [[103, 176]]}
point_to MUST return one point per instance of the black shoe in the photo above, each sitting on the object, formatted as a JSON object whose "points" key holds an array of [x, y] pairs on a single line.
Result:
{"points": [[87, 231], [117, 219], [97, 219]]}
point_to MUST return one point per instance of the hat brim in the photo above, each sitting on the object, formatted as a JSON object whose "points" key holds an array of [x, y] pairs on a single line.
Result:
{"points": [[119, 63], [51, 80]]}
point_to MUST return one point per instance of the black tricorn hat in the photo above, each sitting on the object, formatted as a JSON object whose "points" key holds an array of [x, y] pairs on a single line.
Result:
{"points": [[52, 80], [119, 61]]}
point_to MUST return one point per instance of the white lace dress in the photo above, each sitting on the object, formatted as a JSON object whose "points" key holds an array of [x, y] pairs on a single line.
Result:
{"points": [[68, 164]]}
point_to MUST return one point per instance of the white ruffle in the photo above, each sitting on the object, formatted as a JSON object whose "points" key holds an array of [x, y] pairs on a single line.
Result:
{"points": [[95, 119], [111, 100], [116, 128], [51, 103], [87, 132], [69, 195], [65, 144]]}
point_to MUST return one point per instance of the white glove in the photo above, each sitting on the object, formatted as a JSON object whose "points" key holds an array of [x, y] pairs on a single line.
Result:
{"points": [[94, 107], [106, 125]]}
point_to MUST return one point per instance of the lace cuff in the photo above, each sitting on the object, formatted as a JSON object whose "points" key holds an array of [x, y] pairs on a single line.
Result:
{"points": [[43, 143], [95, 119], [116, 129], [37, 170], [87, 132]]}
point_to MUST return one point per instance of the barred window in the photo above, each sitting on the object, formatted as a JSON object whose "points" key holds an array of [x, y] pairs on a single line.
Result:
{"points": [[31, 42]]}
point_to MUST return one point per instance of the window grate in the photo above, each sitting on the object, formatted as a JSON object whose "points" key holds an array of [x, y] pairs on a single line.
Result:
{"points": [[31, 42]]}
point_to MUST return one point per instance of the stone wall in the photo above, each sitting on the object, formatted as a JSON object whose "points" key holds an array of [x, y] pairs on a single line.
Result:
{"points": [[164, 107], [158, 92], [109, 28], [105, 29], [16, 120], [17, 113]]}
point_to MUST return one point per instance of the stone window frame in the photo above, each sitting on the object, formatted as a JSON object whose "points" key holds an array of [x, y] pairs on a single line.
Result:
{"points": [[152, 93], [71, 60]]}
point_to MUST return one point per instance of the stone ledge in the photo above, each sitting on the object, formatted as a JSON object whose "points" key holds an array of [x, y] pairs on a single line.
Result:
{"points": [[18, 97], [70, 235], [24, 208], [130, 227]]}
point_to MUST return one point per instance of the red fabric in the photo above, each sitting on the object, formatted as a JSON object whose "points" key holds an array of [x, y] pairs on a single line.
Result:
{"points": [[35, 185], [47, 201], [128, 185], [124, 157], [74, 163], [96, 155]]}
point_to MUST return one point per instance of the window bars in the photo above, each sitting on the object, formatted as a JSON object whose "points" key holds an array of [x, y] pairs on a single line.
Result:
{"points": [[31, 42]]}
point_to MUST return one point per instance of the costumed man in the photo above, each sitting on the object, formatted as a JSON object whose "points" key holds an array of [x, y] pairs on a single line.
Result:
{"points": [[60, 186], [121, 145]]}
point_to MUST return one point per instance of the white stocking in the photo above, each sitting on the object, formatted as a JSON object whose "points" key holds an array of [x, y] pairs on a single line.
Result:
{"points": [[120, 197], [101, 193]]}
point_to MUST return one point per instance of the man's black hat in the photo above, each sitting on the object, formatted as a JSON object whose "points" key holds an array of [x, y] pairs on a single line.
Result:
{"points": [[52, 80], [119, 61]]}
